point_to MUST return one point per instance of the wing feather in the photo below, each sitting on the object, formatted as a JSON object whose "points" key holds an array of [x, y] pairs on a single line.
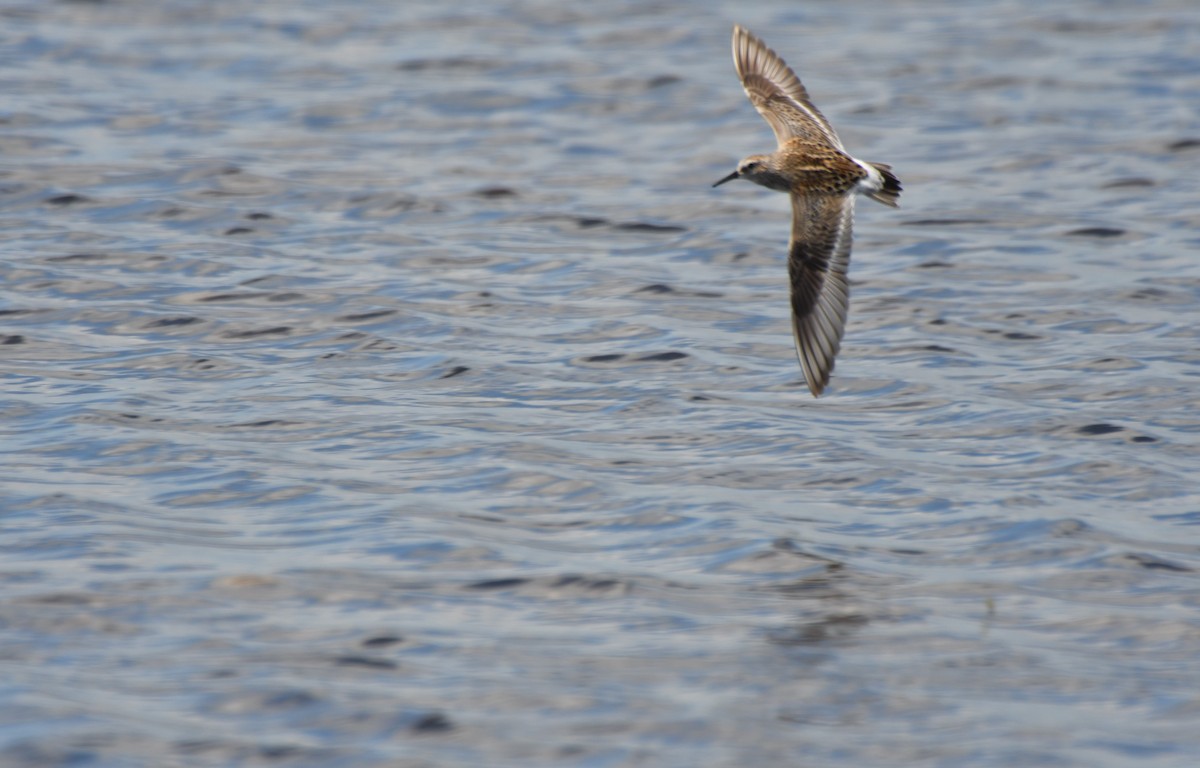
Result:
{"points": [[818, 258], [777, 93]]}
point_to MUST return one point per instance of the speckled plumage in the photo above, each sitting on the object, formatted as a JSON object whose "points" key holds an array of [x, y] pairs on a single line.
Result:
{"points": [[812, 166]]}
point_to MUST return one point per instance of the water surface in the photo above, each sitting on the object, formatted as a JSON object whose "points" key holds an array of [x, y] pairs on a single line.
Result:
{"points": [[385, 385]]}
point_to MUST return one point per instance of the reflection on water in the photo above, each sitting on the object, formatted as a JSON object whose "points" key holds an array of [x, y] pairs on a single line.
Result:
{"points": [[384, 385]]}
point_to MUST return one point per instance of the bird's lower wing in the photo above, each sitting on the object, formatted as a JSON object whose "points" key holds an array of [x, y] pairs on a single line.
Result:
{"points": [[818, 257]]}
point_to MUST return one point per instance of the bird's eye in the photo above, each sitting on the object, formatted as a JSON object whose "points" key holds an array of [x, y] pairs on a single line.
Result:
{"points": [[750, 167]]}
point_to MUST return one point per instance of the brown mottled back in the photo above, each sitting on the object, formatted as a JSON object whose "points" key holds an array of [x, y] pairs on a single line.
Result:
{"points": [[817, 168]]}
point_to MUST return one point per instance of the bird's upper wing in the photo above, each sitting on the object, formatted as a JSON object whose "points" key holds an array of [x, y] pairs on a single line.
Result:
{"points": [[777, 93], [818, 257]]}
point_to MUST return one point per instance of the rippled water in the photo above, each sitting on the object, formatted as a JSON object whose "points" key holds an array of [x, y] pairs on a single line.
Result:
{"points": [[385, 385]]}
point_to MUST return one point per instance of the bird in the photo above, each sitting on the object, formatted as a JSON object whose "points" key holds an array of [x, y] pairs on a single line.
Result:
{"points": [[812, 166]]}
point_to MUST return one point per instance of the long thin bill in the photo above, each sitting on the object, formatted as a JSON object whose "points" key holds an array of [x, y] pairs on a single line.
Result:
{"points": [[730, 177]]}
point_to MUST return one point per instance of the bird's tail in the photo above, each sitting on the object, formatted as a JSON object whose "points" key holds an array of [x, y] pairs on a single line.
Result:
{"points": [[888, 192]]}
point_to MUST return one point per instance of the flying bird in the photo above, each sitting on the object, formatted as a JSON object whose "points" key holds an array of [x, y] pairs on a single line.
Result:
{"points": [[812, 166]]}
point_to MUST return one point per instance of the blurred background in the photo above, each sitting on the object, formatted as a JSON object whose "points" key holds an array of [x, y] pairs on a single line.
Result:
{"points": [[384, 385]]}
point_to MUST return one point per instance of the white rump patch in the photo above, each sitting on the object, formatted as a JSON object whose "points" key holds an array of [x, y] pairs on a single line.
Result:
{"points": [[874, 180]]}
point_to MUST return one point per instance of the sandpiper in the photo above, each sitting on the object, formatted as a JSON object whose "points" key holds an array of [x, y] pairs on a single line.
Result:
{"points": [[812, 166]]}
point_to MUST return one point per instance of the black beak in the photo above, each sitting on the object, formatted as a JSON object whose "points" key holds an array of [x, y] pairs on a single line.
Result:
{"points": [[730, 177]]}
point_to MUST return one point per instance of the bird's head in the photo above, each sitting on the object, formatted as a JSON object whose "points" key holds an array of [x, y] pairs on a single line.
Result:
{"points": [[761, 170]]}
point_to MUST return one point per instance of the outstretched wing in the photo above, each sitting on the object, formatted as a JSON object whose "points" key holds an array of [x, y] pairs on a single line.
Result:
{"points": [[777, 93], [818, 257]]}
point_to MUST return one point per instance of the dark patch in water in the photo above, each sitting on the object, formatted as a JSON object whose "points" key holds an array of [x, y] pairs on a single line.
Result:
{"points": [[494, 192], [591, 222], [829, 629], [455, 371], [68, 199], [1134, 182], [638, 226], [1148, 293], [369, 662], [381, 641], [15, 338], [239, 230], [62, 598], [1096, 232], [603, 358], [660, 288], [1100, 429], [78, 257], [498, 583], [663, 357], [277, 330], [367, 315], [434, 722], [258, 216], [586, 582], [1152, 563], [942, 222], [655, 288], [660, 80], [450, 63], [1182, 144]]}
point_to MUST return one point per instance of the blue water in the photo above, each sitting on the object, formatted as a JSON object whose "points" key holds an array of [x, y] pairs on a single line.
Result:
{"points": [[385, 385]]}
